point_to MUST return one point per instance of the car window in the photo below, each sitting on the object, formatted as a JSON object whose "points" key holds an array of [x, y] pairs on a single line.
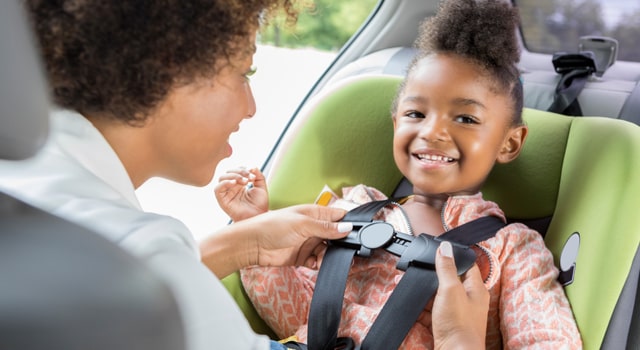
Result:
{"points": [[555, 25], [288, 61]]}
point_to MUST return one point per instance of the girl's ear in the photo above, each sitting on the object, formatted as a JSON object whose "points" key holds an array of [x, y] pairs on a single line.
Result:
{"points": [[512, 144]]}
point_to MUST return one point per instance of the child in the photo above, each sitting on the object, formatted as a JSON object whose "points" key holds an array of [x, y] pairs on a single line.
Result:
{"points": [[457, 113]]}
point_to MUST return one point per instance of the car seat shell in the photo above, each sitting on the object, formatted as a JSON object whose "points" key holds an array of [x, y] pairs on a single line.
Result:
{"points": [[581, 172]]}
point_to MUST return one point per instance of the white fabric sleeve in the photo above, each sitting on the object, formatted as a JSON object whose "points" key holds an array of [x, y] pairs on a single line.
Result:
{"points": [[211, 317]]}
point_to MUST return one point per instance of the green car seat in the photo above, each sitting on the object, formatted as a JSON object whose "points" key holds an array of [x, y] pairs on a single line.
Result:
{"points": [[576, 181]]}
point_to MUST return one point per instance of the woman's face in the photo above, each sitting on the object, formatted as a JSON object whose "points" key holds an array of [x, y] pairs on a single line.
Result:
{"points": [[192, 126], [451, 127]]}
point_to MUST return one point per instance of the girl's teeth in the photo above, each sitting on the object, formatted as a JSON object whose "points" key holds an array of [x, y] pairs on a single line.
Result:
{"points": [[435, 158]]}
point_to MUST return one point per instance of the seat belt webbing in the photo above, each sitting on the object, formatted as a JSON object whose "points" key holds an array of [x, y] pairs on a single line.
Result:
{"points": [[326, 303], [366, 211], [566, 95], [404, 306], [474, 231]]}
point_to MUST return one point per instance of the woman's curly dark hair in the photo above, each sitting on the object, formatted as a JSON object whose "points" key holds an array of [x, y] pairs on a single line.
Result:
{"points": [[121, 58], [483, 31]]}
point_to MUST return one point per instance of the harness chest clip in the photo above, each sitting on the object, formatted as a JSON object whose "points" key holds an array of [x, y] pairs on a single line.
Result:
{"points": [[422, 253]]}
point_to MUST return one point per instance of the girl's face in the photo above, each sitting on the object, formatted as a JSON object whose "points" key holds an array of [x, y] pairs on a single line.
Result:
{"points": [[451, 127], [192, 126]]}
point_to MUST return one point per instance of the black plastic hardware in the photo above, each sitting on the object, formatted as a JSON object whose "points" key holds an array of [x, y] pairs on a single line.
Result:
{"points": [[412, 250]]}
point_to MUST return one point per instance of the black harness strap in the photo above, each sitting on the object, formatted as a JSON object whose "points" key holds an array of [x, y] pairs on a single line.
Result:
{"points": [[326, 304], [474, 231], [409, 298], [402, 309], [366, 211]]}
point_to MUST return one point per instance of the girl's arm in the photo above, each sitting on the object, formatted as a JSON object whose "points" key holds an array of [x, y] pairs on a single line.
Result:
{"points": [[534, 308]]}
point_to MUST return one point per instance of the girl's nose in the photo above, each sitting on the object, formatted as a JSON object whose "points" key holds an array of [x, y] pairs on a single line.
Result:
{"points": [[433, 128]]}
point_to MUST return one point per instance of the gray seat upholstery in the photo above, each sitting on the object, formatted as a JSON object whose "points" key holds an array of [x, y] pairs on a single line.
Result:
{"points": [[600, 96], [62, 286], [615, 95]]}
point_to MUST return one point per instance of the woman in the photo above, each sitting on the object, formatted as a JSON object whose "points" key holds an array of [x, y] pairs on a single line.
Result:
{"points": [[155, 88]]}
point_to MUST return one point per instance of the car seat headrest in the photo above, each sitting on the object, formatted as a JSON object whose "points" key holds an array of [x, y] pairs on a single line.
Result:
{"points": [[24, 103], [535, 174]]}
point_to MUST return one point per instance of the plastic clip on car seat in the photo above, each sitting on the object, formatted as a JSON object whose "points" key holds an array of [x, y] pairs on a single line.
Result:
{"points": [[417, 258], [412, 250]]}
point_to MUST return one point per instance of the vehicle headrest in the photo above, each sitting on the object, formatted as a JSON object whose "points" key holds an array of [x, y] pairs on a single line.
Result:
{"points": [[24, 100]]}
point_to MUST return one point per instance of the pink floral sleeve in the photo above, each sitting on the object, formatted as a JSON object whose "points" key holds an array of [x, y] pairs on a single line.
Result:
{"points": [[534, 309], [281, 295]]}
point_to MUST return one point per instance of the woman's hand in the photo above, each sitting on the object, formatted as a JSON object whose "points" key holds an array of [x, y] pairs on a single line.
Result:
{"points": [[296, 235], [460, 307], [293, 236], [242, 193]]}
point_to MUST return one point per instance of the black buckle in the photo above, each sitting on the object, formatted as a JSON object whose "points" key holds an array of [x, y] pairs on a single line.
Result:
{"points": [[367, 236], [413, 250]]}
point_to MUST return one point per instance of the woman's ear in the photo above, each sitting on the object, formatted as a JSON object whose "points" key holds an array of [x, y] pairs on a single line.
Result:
{"points": [[513, 143]]}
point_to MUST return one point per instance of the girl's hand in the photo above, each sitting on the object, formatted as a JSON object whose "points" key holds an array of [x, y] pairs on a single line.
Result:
{"points": [[242, 193]]}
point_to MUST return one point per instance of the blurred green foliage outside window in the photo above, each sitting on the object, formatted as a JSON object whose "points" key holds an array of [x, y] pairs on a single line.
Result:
{"points": [[322, 24]]}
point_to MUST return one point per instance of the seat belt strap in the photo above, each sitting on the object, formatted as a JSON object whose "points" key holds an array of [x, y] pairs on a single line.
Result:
{"points": [[326, 303], [366, 211], [566, 96], [402, 309], [474, 231]]}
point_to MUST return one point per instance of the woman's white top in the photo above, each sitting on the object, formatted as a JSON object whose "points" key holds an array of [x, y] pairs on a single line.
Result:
{"points": [[78, 176]]}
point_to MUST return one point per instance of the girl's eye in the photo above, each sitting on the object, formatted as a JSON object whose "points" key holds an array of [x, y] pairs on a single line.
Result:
{"points": [[466, 119], [414, 114], [250, 72]]}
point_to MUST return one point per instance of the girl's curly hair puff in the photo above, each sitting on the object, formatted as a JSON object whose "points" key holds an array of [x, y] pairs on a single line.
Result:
{"points": [[121, 58], [482, 31]]}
